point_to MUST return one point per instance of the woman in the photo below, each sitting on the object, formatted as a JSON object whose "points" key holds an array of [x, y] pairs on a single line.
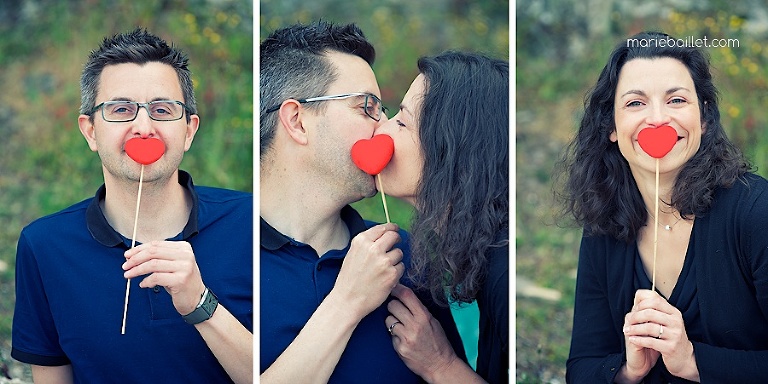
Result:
{"points": [[451, 163], [712, 260]]}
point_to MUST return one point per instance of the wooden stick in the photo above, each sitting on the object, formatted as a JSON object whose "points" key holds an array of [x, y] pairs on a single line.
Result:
{"points": [[655, 227], [383, 197], [133, 244]]}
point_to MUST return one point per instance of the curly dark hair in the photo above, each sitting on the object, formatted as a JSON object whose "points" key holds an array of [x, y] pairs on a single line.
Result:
{"points": [[293, 65], [462, 200], [598, 189]]}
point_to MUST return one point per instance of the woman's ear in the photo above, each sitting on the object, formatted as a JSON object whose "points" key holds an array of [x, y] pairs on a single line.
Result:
{"points": [[613, 137]]}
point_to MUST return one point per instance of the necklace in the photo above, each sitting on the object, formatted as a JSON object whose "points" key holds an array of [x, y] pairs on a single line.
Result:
{"points": [[667, 227]]}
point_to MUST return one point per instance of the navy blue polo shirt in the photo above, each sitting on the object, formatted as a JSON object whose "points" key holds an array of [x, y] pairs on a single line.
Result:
{"points": [[293, 283], [70, 293]]}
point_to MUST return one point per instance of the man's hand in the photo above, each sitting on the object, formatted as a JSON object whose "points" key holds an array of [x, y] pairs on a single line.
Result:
{"points": [[370, 270], [170, 264]]}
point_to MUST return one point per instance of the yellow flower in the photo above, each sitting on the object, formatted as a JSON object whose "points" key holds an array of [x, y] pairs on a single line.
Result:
{"points": [[221, 17], [734, 111], [735, 22], [674, 17]]}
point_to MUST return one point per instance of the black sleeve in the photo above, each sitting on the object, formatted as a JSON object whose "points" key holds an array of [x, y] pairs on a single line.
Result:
{"points": [[596, 351]]}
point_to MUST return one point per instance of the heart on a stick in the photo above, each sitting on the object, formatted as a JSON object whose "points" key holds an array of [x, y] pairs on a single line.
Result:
{"points": [[372, 155], [144, 151], [657, 142]]}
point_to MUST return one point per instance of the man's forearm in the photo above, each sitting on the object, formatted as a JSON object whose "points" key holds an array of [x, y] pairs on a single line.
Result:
{"points": [[314, 353], [231, 343]]}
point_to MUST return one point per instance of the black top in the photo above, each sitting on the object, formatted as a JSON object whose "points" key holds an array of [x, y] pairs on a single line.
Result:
{"points": [[493, 303], [684, 297], [730, 277]]}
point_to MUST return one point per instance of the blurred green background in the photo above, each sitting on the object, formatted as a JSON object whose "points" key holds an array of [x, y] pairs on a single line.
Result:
{"points": [[46, 165], [402, 31], [561, 47]]}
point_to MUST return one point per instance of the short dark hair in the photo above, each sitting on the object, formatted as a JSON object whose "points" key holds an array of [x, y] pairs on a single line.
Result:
{"points": [[138, 47], [598, 188], [462, 200], [294, 65]]}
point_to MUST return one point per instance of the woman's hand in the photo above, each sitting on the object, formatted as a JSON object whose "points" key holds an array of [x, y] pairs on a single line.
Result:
{"points": [[640, 359], [657, 325], [420, 341]]}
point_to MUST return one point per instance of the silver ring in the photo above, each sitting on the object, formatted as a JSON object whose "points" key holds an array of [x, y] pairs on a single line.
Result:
{"points": [[391, 327], [661, 331]]}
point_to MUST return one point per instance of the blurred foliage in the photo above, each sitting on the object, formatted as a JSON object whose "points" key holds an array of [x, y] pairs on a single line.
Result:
{"points": [[559, 57], [46, 165], [402, 31]]}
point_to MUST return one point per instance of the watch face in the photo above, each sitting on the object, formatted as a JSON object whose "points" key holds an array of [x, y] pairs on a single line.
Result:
{"points": [[205, 310], [210, 303]]}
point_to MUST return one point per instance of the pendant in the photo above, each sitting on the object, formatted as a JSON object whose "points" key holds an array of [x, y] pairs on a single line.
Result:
{"points": [[667, 227]]}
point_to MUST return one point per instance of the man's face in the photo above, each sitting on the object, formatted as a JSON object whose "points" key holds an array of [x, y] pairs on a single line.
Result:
{"points": [[343, 123], [140, 83]]}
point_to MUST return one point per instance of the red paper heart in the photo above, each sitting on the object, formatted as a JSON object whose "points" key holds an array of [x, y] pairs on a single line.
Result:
{"points": [[657, 142], [144, 151], [372, 155]]}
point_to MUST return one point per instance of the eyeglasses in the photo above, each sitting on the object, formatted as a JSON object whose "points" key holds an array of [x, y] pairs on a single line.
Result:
{"points": [[123, 111], [374, 108]]}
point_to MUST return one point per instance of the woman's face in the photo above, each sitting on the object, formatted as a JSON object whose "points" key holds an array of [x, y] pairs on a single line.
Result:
{"points": [[653, 93], [402, 174]]}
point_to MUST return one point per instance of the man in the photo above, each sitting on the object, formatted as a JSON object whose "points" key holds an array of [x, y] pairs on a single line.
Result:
{"points": [[189, 318], [325, 275]]}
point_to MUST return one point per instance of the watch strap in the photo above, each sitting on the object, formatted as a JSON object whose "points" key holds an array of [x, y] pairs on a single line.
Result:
{"points": [[204, 310]]}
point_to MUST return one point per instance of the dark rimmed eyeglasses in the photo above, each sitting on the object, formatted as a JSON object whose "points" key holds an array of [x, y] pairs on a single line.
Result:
{"points": [[124, 111], [373, 106]]}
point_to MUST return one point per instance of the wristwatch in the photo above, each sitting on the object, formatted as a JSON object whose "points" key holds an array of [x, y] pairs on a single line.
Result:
{"points": [[204, 310]]}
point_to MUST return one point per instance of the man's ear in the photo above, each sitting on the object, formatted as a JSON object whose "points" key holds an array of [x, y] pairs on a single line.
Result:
{"points": [[291, 119], [192, 126], [88, 131]]}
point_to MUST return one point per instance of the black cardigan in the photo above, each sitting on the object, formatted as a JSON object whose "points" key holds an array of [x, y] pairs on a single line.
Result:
{"points": [[731, 263]]}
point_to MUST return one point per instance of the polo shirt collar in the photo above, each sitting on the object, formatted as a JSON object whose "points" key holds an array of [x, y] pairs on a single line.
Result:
{"points": [[106, 235], [271, 239]]}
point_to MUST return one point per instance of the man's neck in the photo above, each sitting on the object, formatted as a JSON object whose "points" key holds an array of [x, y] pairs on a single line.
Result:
{"points": [[309, 217], [164, 208]]}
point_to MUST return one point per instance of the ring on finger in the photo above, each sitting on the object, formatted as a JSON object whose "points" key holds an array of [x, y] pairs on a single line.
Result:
{"points": [[391, 327], [661, 331]]}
